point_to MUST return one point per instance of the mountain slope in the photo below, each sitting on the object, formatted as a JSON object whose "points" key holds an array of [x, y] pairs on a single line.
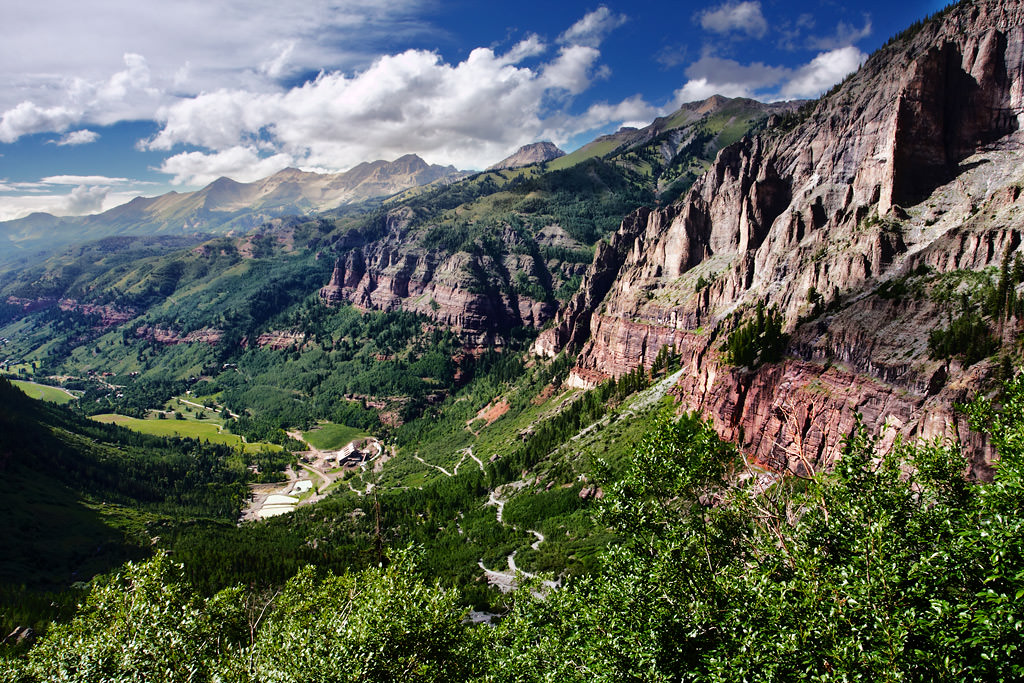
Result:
{"points": [[860, 218], [225, 205], [534, 153]]}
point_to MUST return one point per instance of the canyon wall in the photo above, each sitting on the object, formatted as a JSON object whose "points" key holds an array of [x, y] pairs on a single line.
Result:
{"points": [[912, 165]]}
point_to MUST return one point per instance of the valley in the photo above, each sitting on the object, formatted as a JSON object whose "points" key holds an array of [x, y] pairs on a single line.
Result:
{"points": [[734, 395]]}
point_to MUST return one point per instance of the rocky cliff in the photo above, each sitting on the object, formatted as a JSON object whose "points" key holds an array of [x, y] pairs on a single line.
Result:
{"points": [[468, 292], [911, 167]]}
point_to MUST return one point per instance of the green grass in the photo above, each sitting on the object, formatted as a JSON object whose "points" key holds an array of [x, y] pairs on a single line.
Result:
{"points": [[588, 151], [330, 437], [191, 429], [43, 392]]}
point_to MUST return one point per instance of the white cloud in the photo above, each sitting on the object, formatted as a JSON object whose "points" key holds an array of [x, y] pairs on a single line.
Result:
{"points": [[633, 112], [221, 93], [742, 17], [238, 163], [278, 65], [83, 180], [716, 76], [824, 71], [78, 137], [572, 70], [531, 46], [65, 62], [467, 114], [592, 29], [84, 199], [28, 118]]}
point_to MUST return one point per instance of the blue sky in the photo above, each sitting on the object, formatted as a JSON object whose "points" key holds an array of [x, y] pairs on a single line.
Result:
{"points": [[105, 100]]}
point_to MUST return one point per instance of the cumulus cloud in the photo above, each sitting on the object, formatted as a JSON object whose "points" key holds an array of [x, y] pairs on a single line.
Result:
{"points": [[226, 95], [592, 29], [716, 76], [467, 114], [125, 94], [742, 17], [532, 46], [78, 137], [572, 70], [28, 118], [99, 75], [824, 71], [633, 112], [84, 199]]}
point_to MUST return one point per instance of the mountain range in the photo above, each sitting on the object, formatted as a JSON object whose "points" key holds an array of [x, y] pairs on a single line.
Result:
{"points": [[225, 205]]}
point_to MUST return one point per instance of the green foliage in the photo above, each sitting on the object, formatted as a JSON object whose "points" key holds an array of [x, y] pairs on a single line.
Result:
{"points": [[892, 567], [381, 625], [967, 337], [757, 341], [141, 625], [146, 624]]}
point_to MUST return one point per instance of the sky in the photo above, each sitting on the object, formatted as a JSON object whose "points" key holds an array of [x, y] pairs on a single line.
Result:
{"points": [[106, 100]]}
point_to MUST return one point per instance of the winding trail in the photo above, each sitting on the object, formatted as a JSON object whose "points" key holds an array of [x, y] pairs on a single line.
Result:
{"points": [[467, 452], [216, 407], [494, 500], [502, 580], [436, 467]]}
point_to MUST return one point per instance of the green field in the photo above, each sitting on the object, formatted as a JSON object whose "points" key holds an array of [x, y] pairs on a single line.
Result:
{"points": [[43, 392], [191, 429], [331, 437]]}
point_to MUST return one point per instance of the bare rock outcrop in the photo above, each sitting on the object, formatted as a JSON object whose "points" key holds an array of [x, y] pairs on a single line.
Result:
{"points": [[534, 153], [915, 160], [468, 292], [162, 335]]}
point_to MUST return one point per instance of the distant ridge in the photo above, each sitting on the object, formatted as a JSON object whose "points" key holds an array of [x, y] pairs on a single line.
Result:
{"points": [[224, 205], [534, 153]]}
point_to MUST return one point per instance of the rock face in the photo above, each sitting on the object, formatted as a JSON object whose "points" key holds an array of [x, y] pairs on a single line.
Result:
{"points": [[914, 161], [160, 335], [467, 292], [526, 155], [109, 316]]}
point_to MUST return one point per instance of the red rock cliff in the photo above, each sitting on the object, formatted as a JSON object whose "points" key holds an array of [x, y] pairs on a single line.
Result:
{"points": [[914, 161]]}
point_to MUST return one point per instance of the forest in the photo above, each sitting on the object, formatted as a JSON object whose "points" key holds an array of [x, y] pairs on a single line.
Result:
{"points": [[890, 567]]}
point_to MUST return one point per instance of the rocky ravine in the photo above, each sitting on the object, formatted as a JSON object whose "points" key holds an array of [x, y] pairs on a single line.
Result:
{"points": [[915, 160]]}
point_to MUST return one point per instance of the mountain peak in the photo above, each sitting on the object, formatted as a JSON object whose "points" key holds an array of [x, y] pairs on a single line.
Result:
{"points": [[411, 162], [533, 153]]}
